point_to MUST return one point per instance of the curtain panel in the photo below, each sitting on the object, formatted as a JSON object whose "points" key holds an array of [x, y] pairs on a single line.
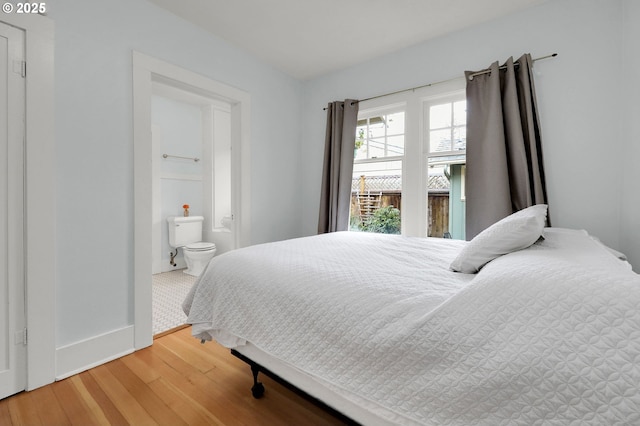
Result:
{"points": [[340, 139], [505, 170]]}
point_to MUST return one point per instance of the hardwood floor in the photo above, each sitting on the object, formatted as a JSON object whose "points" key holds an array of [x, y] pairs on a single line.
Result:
{"points": [[177, 381]]}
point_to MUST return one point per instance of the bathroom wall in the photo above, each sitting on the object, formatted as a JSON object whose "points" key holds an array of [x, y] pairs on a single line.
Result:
{"points": [[177, 130]]}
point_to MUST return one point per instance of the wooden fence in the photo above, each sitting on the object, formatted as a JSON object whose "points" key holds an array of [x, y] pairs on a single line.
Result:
{"points": [[438, 221], [438, 207]]}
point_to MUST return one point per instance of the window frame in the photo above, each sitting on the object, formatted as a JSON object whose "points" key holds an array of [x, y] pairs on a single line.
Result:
{"points": [[416, 134], [366, 114]]}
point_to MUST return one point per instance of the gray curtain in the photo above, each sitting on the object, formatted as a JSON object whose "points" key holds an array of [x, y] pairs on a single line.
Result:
{"points": [[340, 139], [504, 152]]}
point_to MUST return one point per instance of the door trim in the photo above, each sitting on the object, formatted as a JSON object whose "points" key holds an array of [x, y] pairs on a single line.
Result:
{"points": [[13, 350], [40, 211]]}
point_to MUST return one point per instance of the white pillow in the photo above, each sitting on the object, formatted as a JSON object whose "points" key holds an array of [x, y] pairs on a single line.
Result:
{"points": [[514, 232]]}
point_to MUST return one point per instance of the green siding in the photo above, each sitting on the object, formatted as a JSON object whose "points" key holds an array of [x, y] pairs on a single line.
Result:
{"points": [[457, 207]]}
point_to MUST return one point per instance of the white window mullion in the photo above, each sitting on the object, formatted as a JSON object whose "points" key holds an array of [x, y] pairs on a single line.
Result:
{"points": [[413, 200]]}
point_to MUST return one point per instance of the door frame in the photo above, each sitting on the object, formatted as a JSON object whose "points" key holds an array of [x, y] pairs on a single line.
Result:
{"points": [[146, 70], [13, 353], [39, 197]]}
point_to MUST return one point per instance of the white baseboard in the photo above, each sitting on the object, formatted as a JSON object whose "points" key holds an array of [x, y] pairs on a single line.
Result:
{"points": [[156, 267], [83, 355]]}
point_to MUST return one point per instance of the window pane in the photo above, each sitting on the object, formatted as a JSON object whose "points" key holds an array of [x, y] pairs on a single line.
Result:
{"points": [[460, 138], [377, 183], [445, 176], [376, 196], [395, 145], [440, 116], [460, 113], [438, 201], [395, 123], [361, 143], [440, 140], [376, 148], [380, 136], [361, 153], [446, 198], [377, 130]]}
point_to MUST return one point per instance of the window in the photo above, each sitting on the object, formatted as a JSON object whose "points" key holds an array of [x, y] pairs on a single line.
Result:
{"points": [[377, 170], [446, 143], [409, 163]]}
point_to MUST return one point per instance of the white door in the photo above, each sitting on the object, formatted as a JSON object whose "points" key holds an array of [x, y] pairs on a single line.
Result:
{"points": [[13, 365]]}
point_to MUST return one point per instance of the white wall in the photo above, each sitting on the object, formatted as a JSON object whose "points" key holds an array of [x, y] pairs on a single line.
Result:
{"points": [[180, 132], [579, 96], [94, 144], [629, 165]]}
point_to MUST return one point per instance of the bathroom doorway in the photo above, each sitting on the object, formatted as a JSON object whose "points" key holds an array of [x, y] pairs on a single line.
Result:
{"points": [[217, 183], [191, 166]]}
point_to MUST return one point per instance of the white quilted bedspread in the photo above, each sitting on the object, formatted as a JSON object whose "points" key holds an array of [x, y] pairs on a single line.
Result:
{"points": [[532, 339]]}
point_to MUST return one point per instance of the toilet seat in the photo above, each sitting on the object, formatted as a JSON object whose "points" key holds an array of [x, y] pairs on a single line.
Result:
{"points": [[200, 246]]}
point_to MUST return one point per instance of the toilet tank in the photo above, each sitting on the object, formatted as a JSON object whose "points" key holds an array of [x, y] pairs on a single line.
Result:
{"points": [[184, 230]]}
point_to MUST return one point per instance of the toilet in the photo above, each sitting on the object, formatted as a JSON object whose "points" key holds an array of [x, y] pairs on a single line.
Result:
{"points": [[186, 233]]}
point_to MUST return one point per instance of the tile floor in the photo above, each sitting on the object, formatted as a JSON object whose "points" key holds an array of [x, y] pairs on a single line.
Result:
{"points": [[169, 290]]}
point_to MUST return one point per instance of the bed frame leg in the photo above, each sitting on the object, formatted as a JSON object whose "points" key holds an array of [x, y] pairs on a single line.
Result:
{"points": [[258, 388]]}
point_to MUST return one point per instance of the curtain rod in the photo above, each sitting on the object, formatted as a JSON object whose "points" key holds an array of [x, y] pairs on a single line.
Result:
{"points": [[486, 71]]}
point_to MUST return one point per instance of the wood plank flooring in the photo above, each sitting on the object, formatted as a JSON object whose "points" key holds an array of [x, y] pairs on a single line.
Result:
{"points": [[177, 381]]}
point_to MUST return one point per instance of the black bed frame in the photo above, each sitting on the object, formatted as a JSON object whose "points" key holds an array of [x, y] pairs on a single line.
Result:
{"points": [[257, 390]]}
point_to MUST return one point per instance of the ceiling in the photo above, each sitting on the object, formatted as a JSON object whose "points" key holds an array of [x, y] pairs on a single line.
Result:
{"points": [[308, 38]]}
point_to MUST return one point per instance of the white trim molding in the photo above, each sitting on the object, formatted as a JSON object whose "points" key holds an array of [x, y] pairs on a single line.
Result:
{"points": [[85, 354], [181, 176]]}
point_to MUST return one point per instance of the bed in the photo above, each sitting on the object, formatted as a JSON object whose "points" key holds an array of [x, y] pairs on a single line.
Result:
{"points": [[381, 329]]}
